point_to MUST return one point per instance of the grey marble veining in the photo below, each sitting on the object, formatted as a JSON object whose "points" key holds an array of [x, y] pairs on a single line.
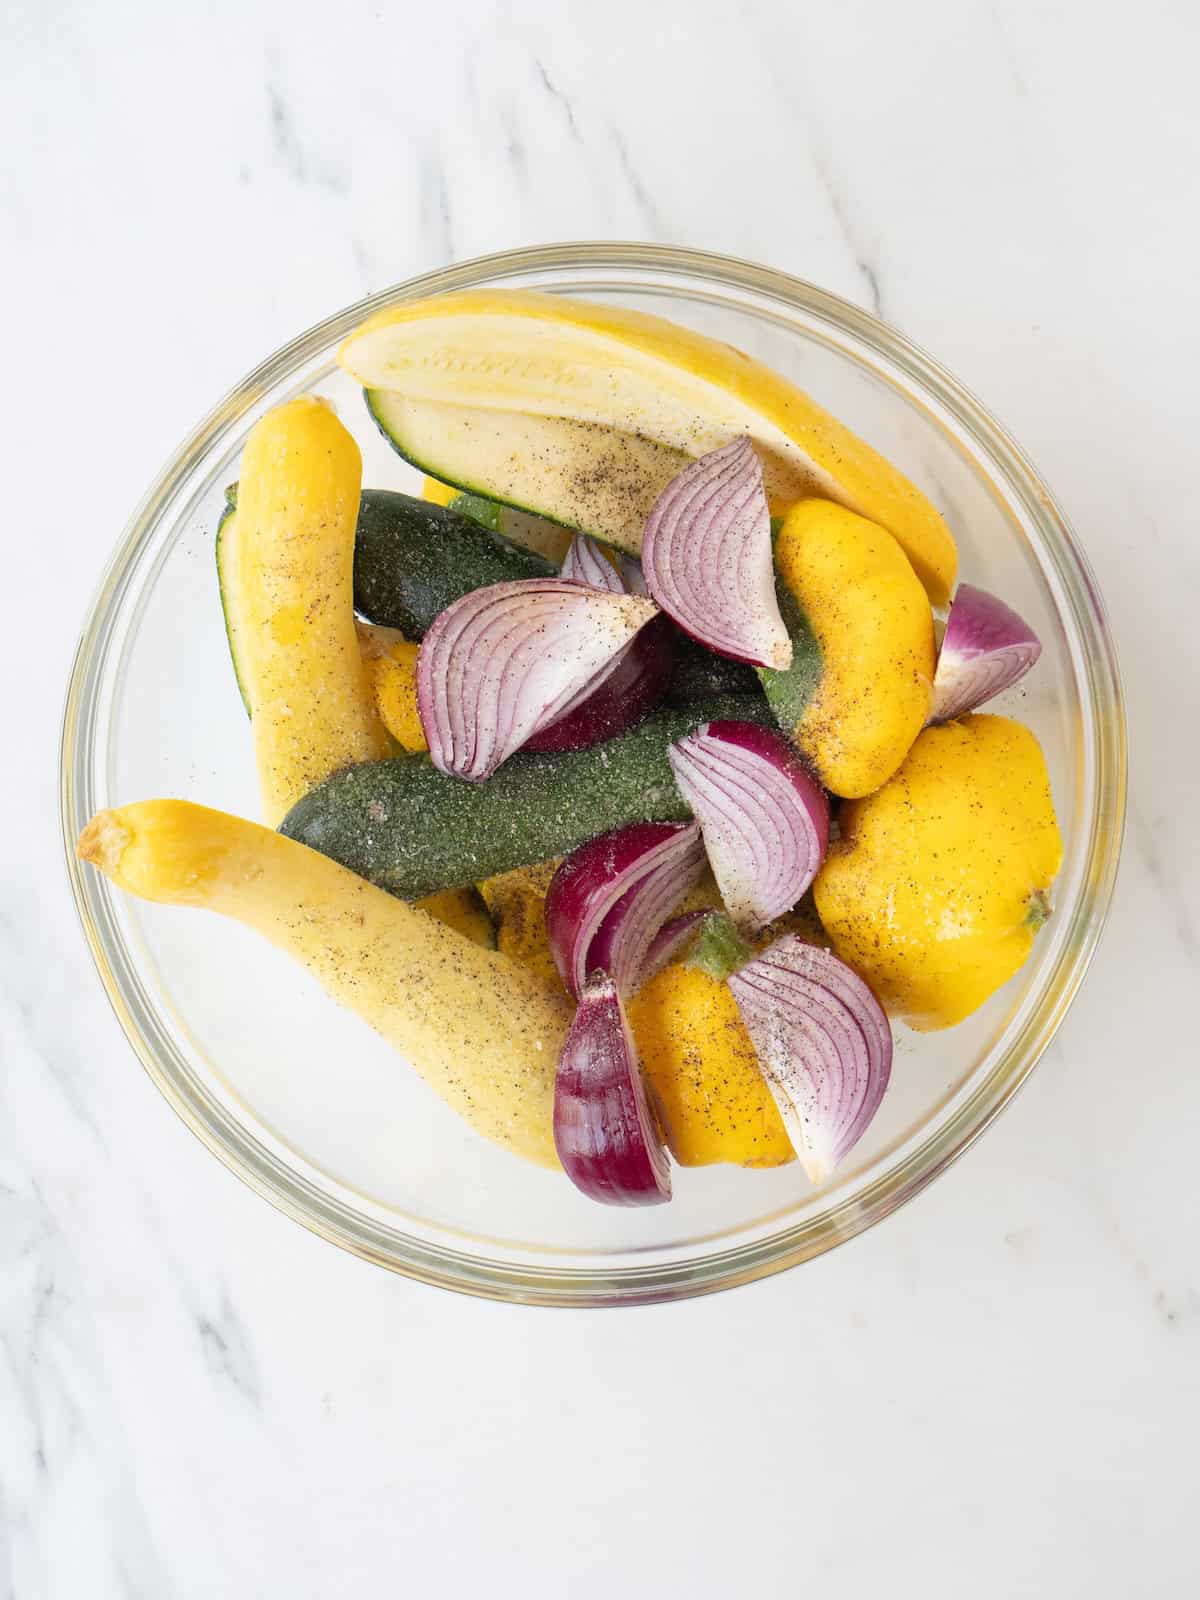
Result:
{"points": [[996, 1393]]}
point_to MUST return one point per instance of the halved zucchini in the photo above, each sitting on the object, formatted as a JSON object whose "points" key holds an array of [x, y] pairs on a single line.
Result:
{"points": [[579, 474]]}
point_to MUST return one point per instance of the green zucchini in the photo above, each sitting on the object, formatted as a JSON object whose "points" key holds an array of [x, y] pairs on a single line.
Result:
{"points": [[700, 675], [579, 474], [413, 558], [488, 514], [789, 691], [411, 829]]}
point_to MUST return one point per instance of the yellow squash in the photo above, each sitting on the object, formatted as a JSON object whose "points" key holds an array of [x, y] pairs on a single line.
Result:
{"points": [[478, 1028], [520, 354], [938, 884], [858, 691], [440, 494], [517, 902], [312, 709], [703, 1074], [391, 663], [465, 912]]}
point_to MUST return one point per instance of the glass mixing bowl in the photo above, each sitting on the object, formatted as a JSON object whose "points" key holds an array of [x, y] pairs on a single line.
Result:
{"points": [[300, 1098]]}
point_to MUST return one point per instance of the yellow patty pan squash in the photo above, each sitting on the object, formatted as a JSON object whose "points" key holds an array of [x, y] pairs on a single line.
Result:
{"points": [[703, 1074], [938, 884], [517, 902], [391, 663], [858, 691]]}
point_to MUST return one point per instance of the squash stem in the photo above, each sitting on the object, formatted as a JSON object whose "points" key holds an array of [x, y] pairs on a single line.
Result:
{"points": [[1039, 909], [720, 950]]}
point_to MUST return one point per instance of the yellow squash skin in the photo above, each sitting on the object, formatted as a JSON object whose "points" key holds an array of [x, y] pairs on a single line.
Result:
{"points": [[439, 493], [465, 912], [937, 886], [313, 711], [520, 351], [478, 1028], [703, 1074], [391, 664], [873, 628], [394, 681], [802, 920], [517, 901]]}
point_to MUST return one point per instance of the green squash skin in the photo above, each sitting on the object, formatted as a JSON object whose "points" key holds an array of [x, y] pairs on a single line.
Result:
{"points": [[699, 674], [789, 692], [226, 544], [482, 504], [464, 489], [412, 559], [487, 513], [412, 830], [470, 501]]}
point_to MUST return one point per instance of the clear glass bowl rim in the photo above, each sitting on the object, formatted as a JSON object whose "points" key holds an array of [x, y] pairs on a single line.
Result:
{"points": [[629, 1284]]}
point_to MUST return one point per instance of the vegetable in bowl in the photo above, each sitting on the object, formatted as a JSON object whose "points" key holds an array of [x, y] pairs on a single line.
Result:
{"points": [[853, 566]]}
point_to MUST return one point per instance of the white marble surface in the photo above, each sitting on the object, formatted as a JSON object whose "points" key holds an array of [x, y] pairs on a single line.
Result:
{"points": [[996, 1393]]}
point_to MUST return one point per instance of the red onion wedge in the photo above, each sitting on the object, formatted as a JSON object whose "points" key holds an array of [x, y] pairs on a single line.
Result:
{"points": [[706, 555], [604, 1130], [585, 562], [634, 681], [624, 693], [506, 661], [823, 1045], [765, 821], [986, 648], [609, 900]]}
